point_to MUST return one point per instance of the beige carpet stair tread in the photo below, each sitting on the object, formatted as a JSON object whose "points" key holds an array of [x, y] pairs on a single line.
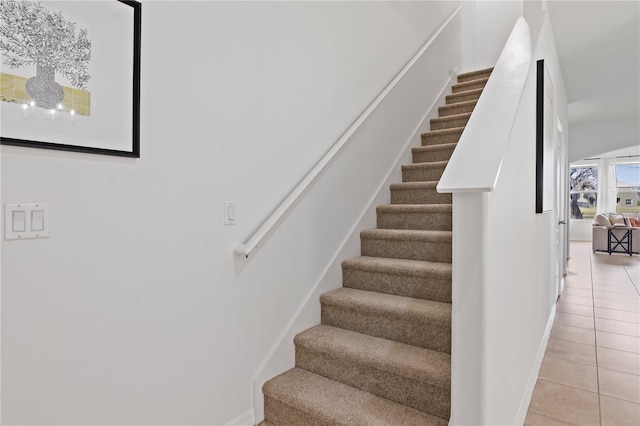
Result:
{"points": [[409, 244], [417, 322], [430, 153], [457, 108], [435, 147], [474, 75], [414, 185], [463, 96], [265, 423], [333, 403], [435, 217], [429, 165], [423, 172], [450, 121], [416, 377], [402, 277], [415, 208], [433, 133], [389, 305], [418, 193], [418, 268], [407, 235], [407, 361], [469, 85]]}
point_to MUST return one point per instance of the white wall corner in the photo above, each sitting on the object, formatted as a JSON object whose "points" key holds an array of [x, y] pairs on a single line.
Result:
{"points": [[468, 344]]}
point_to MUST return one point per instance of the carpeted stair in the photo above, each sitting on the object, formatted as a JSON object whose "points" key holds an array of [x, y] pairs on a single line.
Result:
{"points": [[381, 355]]}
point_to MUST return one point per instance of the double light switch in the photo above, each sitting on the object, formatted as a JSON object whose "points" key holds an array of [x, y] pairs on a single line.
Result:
{"points": [[23, 221]]}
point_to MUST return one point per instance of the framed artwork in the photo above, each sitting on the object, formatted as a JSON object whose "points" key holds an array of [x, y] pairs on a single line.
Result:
{"points": [[70, 75], [545, 128]]}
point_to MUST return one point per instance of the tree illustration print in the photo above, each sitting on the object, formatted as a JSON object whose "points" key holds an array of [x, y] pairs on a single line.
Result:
{"points": [[34, 35]]}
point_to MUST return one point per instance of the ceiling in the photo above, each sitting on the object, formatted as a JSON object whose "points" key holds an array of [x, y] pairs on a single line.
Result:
{"points": [[598, 44]]}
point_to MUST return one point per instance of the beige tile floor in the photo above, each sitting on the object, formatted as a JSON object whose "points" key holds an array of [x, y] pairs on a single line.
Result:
{"points": [[590, 374]]}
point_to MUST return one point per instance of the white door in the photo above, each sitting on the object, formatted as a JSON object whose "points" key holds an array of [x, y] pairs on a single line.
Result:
{"points": [[561, 203]]}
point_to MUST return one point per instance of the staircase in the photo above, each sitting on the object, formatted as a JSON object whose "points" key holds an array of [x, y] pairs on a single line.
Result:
{"points": [[382, 353]]}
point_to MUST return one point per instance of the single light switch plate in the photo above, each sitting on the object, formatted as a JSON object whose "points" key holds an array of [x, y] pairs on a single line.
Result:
{"points": [[230, 212], [26, 221]]}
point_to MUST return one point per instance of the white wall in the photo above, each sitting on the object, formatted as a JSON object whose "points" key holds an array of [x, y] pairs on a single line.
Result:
{"points": [[486, 27], [580, 230], [504, 271], [591, 138], [135, 311]]}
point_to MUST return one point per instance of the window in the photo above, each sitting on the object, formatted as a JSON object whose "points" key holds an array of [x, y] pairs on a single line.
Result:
{"points": [[583, 191], [628, 187]]}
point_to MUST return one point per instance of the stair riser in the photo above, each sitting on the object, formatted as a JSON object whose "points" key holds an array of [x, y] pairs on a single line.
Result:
{"points": [[434, 335], [432, 287], [285, 415], [432, 155], [429, 139], [419, 196], [422, 396], [469, 85], [462, 97], [448, 123], [415, 220], [422, 174], [433, 251], [446, 111], [474, 76]]}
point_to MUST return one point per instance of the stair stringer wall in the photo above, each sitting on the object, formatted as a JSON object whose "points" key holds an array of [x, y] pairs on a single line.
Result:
{"points": [[418, 95]]}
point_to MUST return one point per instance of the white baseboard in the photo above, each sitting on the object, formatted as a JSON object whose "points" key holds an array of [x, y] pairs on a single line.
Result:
{"points": [[245, 419], [535, 370]]}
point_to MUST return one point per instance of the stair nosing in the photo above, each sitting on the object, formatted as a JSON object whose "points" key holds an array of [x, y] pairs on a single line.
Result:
{"points": [[435, 147], [465, 92], [474, 81], [458, 104], [471, 82], [403, 186], [425, 165], [485, 70], [416, 208], [452, 117], [402, 234]]}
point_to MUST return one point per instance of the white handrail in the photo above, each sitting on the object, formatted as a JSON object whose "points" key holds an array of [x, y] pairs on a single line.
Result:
{"points": [[264, 230], [476, 162]]}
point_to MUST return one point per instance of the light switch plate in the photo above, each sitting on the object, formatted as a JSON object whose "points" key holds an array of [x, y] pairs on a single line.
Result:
{"points": [[26, 221], [230, 212]]}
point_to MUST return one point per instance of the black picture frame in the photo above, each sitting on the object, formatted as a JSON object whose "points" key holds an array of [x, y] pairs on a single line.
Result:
{"points": [[107, 123], [545, 128]]}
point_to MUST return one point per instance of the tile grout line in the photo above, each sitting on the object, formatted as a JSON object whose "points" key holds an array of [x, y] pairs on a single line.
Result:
{"points": [[595, 339], [631, 279]]}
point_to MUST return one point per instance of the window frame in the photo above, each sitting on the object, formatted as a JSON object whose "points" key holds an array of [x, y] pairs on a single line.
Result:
{"points": [[584, 165]]}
